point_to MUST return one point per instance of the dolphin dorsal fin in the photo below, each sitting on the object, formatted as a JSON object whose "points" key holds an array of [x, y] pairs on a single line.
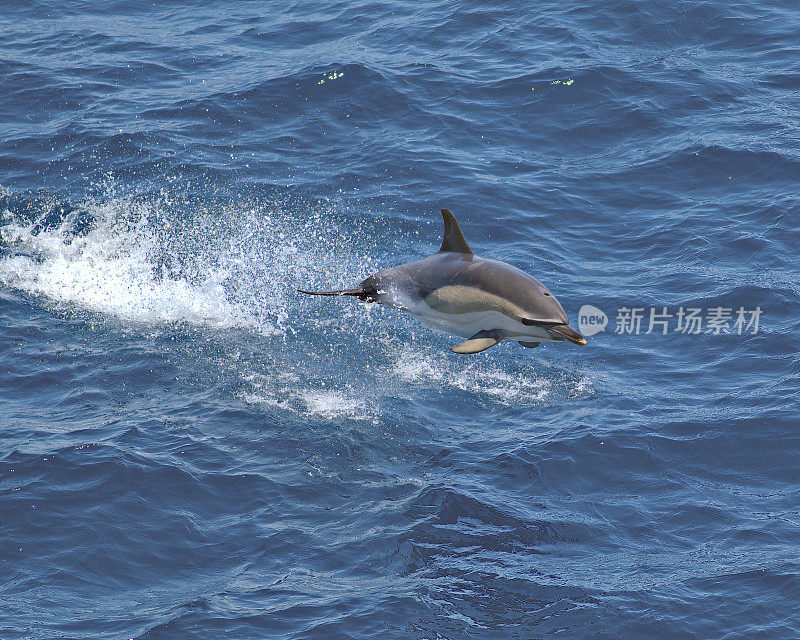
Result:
{"points": [[453, 238]]}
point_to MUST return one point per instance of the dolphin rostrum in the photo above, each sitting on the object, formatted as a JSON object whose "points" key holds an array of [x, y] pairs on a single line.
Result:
{"points": [[457, 292]]}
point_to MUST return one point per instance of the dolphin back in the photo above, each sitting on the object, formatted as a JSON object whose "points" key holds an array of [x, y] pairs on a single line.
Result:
{"points": [[456, 283]]}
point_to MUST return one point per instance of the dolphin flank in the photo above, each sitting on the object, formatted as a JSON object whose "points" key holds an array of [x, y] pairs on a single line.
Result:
{"points": [[455, 291]]}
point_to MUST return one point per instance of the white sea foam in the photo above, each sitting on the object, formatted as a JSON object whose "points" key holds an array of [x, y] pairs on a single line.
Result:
{"points": [[289, 394], [336, 403], [110, 270]]}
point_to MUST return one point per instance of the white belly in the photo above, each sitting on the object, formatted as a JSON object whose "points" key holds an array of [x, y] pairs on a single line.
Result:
{"points": [[467, 325]]}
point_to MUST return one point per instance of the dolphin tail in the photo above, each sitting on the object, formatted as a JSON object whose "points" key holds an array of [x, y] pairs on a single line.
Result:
{"points": [[338, 292], [360, 293]]}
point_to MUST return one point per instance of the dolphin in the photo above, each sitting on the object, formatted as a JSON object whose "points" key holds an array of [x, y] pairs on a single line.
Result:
{"points": [[455, 291]]}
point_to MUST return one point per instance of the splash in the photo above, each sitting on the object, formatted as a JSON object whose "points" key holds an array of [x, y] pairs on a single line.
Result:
{"points": [[507, 383], [171, 259]]}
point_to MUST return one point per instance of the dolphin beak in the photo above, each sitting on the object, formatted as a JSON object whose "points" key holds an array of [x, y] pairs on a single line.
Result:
{"points": [[565, 332]]}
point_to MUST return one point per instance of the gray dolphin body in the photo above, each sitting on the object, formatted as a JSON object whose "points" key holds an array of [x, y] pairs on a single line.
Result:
{"points": [[460, 293]]}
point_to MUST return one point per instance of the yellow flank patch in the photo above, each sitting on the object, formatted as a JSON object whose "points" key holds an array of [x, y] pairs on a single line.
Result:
{"points": [[461, 299]]}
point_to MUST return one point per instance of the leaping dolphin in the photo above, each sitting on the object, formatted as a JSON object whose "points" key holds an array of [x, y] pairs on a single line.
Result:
{"points": [[457, 292]]}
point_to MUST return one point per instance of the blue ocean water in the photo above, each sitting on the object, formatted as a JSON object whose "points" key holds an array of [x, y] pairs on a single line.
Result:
{"points": [[190, 449]]}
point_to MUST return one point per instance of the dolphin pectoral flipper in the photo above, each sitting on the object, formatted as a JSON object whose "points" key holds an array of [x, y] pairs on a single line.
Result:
{"points": [[481, 341], [474, 345], [530, 345]]}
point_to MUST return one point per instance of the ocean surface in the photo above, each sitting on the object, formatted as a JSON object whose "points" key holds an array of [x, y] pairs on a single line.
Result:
{"points": [[190, 449]]}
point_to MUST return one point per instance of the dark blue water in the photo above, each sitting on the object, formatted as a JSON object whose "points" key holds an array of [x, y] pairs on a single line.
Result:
{"points": [[190, 449]]}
